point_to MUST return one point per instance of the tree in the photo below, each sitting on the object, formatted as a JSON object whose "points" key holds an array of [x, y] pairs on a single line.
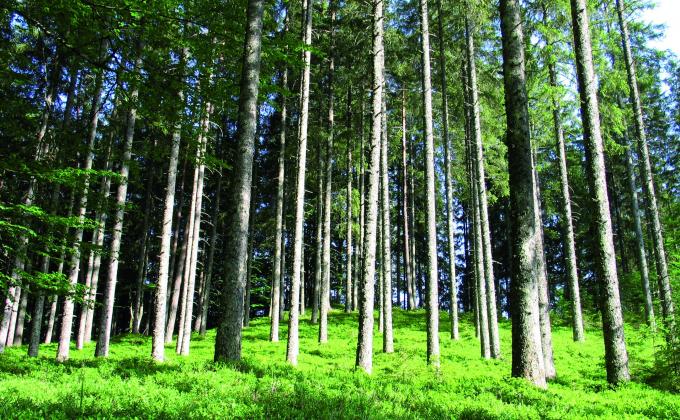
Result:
{"points": [[616, 356], [228, 340], [665, 291], [432, 271], [293, 347], [364, 358], [527, 352]]}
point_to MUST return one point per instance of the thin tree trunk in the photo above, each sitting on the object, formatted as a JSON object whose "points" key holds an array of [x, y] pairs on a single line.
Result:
{"points": [[228, 340], [543, 298], [639, 240], [184, 340], [364, 359], [527, 350], [362, 206], [138, 307], [432, 270], [67, 312], [318, 257], [350, 222], [328, 190], [293, 346], [121, 196], [480, 182], [160, 303], [207, 287], [388, 333], [666, 294], [450, 224], [567, 221], [408, 266], [616, 356]]}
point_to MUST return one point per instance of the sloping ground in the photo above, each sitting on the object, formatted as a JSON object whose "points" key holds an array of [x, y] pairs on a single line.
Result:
{"points": [[325, 385]]}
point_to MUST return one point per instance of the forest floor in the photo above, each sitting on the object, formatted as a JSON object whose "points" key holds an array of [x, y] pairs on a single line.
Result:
{"points": [[325, 384]]}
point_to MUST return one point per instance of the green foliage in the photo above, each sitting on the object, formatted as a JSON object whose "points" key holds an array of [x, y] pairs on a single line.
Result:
{"points": [[325, 384]]}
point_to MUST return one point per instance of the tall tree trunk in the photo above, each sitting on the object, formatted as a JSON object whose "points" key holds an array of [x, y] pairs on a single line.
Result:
{"points": [[318, 249], [67, 311], [138, 306], [281, 178], [432, 270], [121, 196], [364, 359], [388, 334], [408, 266], [328, 190], [639, 240], [450, 224], [211, 257], [543, 298], [616, 356], [479, 179], [666, 293], [195, 214], [293, 347], [567, 220], [362, 205], [160, 303], [350, 221], [527, 351], [228, 340]]}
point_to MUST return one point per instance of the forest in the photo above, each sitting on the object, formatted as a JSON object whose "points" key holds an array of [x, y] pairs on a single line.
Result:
{"points": [[338, 209]]}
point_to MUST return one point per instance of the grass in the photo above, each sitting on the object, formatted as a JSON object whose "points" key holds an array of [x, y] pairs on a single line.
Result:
{"points": [[325, 384]]}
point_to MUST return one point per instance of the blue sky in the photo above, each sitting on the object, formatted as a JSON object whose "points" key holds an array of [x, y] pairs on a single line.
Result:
{"points": [[666, 12]]}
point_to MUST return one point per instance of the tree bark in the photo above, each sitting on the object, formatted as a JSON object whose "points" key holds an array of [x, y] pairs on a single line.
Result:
{"points": [[616, 356], [527, 351], [121, 196], [328, 190], [567, 220], [160, 303], [479, 179], [228, 340], [388, 333], [364, 359], [432, 270], [666, 294], [350, 221], [408, 266], [67, 311]]}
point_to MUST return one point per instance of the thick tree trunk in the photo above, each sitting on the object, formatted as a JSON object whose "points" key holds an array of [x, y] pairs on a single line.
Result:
{"points": [[616, 356], [666, 294], [567, 220], [432, 270], [228, 340], [527, 351], [293, 347], [121, 197], [479, 178], [364, 359]]}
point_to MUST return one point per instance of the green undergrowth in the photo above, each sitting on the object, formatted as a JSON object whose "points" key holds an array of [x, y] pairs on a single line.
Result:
{"points": [[325, 384]]}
